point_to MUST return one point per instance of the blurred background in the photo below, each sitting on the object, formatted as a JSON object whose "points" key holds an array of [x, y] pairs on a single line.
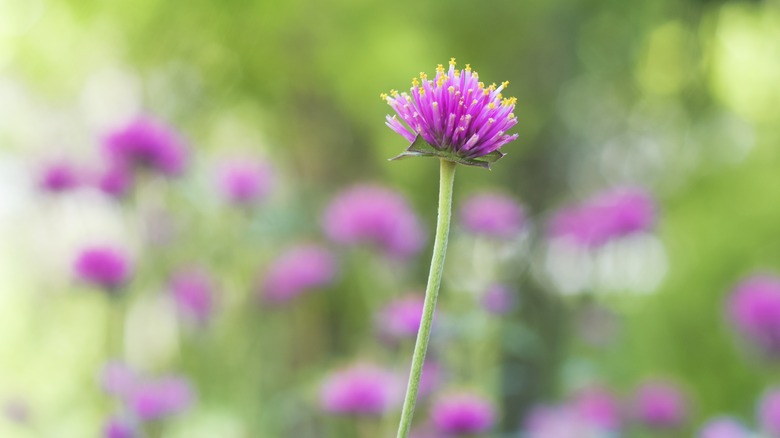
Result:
{"points": [[256, 270]]}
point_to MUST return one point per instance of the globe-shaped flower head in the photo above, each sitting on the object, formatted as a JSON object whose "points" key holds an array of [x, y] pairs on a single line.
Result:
{"points": [[660, 405], [360, 389], [723, 427], [103, 266], [453, 116], [754, 310], [463, 413], [147, 143]]}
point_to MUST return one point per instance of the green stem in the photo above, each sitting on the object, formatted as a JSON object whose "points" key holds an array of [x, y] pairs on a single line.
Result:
{"points": [[446, 181]]}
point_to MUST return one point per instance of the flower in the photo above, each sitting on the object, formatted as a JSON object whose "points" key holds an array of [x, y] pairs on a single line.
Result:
{"points": [[400, 319], [59, 177], [612, 214], [118, 428], [453, 116], [769, 412], [723, 427], [559, 422], [157, 398], [376, 215], [146, 143], [498, 299], [245, 182], [103, 266], [192, 291], [118, 379], [660, 405], [597, 407], [360, 389], [463, 413], [115, 181], [298, 270], [492, 214], [754, 309]]}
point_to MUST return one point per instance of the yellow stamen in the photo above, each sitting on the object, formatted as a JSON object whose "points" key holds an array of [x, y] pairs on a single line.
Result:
{"points": [[481, 85], [423, 75], [452, 62], [394, 93], [422, 91], [415, 82], [505, 84], [383, 96], [451, 89], [440, 68], [511, 116], [491, 105], [468, 67]]}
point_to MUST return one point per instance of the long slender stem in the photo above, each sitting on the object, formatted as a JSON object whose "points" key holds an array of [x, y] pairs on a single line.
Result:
{"points": [[446, 180]]}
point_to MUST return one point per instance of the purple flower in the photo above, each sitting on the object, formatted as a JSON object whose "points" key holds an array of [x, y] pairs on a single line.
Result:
{"points": [[59, 177], [158, 398], [769, 412], [559, 422], [298, 270], [598, 407], [374, 215], [492, 214], [463, 413], [609, 215], [498, 299], [192, 290], [147, 143], [118, 428], [103, 266], [660, 405], [118, 379], [245, 182], [400, 319], [115, 181], [360, 389], [723, 427], [754, 309], [456, 115]]}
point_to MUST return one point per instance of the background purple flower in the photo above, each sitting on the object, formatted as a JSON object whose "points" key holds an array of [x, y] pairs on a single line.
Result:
{"points": [[103, 266], [298, 270], [115, 181], [245, 182], [118, 379], [769, 412], [360, 389], [147, 143], [498, 299], [612, 214], [723, 427], [59, 177], [400, 319], [193, 292], [598, 407], [374, 215], [116, 427], [559, 422], [463, 413], [754, 309], [660, 405], [157, 398], [492, 214]]}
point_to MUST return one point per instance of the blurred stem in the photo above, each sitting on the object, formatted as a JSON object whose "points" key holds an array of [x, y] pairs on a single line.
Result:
{"points": [[446, 180]]}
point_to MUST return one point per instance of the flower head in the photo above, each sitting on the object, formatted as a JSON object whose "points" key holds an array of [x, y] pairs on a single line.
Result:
{"points": [[453, 116], [162, 397], [598, 407], [612, 214], [245, 182], [660, 405], [754, 309], [193, 292], [376, 215], [298, 270], [115, 181], [498, 299], [463, 413], [559, 422], [118, 379], [147, 143], [59, 177], [769, 412], [400, 319], [723, 427], [103, 266], [492, 214], [117, 427], [361, 389]]}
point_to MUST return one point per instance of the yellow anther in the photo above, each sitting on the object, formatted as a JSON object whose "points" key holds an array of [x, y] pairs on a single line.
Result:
{"points": [[457, 73], [415, 82], [440, 80], [481, 85], [422, 91], [468, 67], [383, 96], [511, 116], [435, 104], [452, 62], [451, 89], [490, 120], [492, 86], [394, 93], [423, 75], [505, 84], [440, 68], [475, 75], [491, 105], [486, 92], [499, 96]]}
